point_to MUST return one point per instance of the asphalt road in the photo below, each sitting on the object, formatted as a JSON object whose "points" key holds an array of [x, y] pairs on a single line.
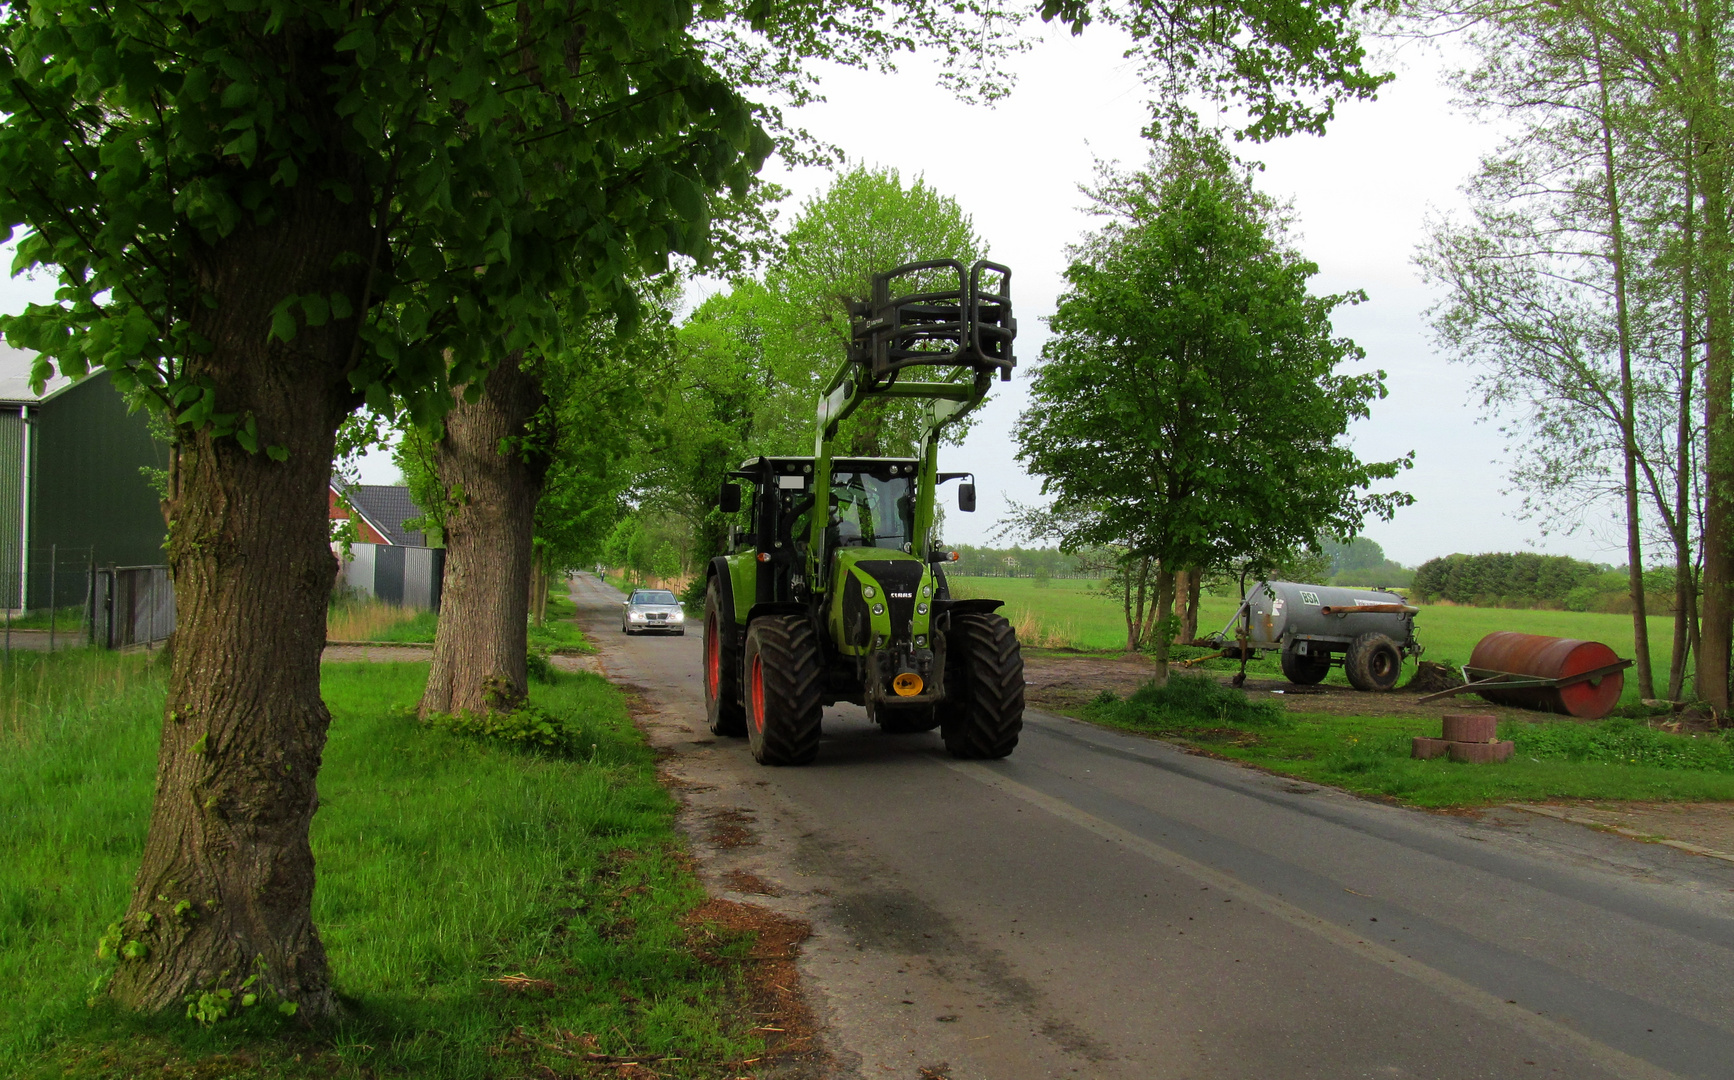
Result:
{"points": [[1103, 905]]}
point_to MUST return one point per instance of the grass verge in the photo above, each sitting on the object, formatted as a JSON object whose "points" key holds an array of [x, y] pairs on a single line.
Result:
{"points": [[487, 912], [1615, 759]]}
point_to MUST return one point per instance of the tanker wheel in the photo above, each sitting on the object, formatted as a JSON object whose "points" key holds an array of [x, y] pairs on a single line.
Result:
{"points": [[722, 667], [906, 721], [1373, 663], [1304, 669], [783, 680], [985, 686]]}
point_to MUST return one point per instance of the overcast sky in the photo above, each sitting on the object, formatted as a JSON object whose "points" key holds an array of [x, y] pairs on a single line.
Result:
{"points": [[1361, 194]]}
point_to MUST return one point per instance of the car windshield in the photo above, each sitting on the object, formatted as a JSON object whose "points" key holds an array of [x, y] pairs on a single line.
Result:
{"points": [[653, 597], [872, 512]]}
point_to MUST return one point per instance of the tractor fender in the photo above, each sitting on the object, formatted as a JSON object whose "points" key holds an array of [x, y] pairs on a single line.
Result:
{"points": [[966, 607], [777, 607]]}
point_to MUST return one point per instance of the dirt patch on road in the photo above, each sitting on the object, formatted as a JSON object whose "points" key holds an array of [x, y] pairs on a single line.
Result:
{"points": [[728, 828], [775, 1001]]}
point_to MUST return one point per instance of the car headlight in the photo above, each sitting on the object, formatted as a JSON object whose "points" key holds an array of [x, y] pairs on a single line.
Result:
{"points": [[679, 616], [636, 616]]}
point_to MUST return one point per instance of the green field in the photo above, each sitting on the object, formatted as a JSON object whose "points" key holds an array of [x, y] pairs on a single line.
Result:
{"points": [[445, 864], [1072, 613]]}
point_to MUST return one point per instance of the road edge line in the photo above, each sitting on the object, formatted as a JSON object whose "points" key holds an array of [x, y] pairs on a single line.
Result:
{"points": [[1448, 986], [1648, 838]]}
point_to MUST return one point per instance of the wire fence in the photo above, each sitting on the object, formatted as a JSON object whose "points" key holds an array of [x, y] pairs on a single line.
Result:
{"points": [[59, 598]]}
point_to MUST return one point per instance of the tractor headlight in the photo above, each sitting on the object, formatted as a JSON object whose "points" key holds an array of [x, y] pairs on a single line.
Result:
{"points": [[867, 591], [921, 641], [878, 609], [921, 609]]}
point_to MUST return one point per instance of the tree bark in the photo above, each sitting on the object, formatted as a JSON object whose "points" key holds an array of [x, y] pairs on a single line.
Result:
{"points": [[225, 887], [1716, 634], [1628, 411], [493, 481], [1188, 590], [1685, 596], [1164, 605]]}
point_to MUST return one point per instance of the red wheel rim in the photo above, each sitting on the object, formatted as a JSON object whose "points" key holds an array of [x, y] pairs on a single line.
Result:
{"points": [[756, 694], [712, 660]]}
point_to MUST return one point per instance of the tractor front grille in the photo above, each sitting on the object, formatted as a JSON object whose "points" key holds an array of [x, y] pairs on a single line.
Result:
{"points": [[901, 580]]}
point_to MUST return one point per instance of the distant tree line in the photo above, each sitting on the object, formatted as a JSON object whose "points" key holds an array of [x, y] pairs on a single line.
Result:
{"points": [[1021, 562], [1525, 579]]}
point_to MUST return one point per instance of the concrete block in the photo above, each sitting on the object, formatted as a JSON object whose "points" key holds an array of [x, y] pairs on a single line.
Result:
{"points": [[1425, 748], [1481, 753], [1471, 727]]}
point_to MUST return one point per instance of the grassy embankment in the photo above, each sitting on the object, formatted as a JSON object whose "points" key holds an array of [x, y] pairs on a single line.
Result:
{"points": [[1611, 759], [376, 620], [1072, 613], [445, 866]]}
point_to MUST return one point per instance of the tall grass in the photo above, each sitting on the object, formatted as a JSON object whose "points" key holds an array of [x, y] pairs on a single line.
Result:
{"points": [[366, 619], [445, 864], [76, 770]]}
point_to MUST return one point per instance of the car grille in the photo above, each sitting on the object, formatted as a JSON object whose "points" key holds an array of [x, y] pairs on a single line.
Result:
{"points": [[656, 617]]}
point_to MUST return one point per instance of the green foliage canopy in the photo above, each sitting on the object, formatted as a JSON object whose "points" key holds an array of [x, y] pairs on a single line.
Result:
{"points": [[506, 159], [1188, 407]]}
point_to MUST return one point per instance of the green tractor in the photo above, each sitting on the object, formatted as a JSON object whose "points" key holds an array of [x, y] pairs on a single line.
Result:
{"points": [[835, 591]]}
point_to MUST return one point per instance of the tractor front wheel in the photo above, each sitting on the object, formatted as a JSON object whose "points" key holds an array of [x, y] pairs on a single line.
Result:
{"points": [[984, 685], [722, 667], [783, 680]]}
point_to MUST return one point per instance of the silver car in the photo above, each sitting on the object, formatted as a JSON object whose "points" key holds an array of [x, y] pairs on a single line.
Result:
{"points": [[652, 609]]}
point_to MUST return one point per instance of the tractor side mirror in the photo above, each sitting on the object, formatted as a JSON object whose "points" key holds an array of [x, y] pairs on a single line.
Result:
{"points": [[729, 499], [966, 498]]}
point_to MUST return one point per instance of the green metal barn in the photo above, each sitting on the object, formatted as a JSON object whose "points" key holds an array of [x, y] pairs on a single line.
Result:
{"points": [[72, 485]]}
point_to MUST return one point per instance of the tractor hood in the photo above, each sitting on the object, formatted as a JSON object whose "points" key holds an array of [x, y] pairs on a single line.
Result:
{"points": [[880, 596]]}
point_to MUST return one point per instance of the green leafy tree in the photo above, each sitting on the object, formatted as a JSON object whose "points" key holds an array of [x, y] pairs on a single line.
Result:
{"points": [[1188, 410], [261, 217]]}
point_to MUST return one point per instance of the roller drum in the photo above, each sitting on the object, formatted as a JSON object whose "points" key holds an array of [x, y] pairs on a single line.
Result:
{"points": [[1538, 657]]}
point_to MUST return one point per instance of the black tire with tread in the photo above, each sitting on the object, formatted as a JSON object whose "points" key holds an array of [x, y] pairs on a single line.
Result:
{"points": [[782, 654], [1374, 663], [722, 702], [984, 685], [1309, 669]]}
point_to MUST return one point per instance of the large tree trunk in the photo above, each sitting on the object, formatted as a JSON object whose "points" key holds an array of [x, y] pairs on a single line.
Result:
{"points": [[480, 646], [1717, 632], [225, 888]]}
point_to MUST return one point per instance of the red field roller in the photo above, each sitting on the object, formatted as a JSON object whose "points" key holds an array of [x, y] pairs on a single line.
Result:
{"points": [[1562, 675]]}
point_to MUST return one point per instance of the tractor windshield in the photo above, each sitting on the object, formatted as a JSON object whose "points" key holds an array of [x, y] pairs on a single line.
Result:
{"points": [[872, 512]]}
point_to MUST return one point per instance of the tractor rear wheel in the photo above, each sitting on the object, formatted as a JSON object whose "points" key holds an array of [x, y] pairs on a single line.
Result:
{"points": [[1304, 669], [783, 680], [722, 667], [1374, 662], [984, 684]]}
